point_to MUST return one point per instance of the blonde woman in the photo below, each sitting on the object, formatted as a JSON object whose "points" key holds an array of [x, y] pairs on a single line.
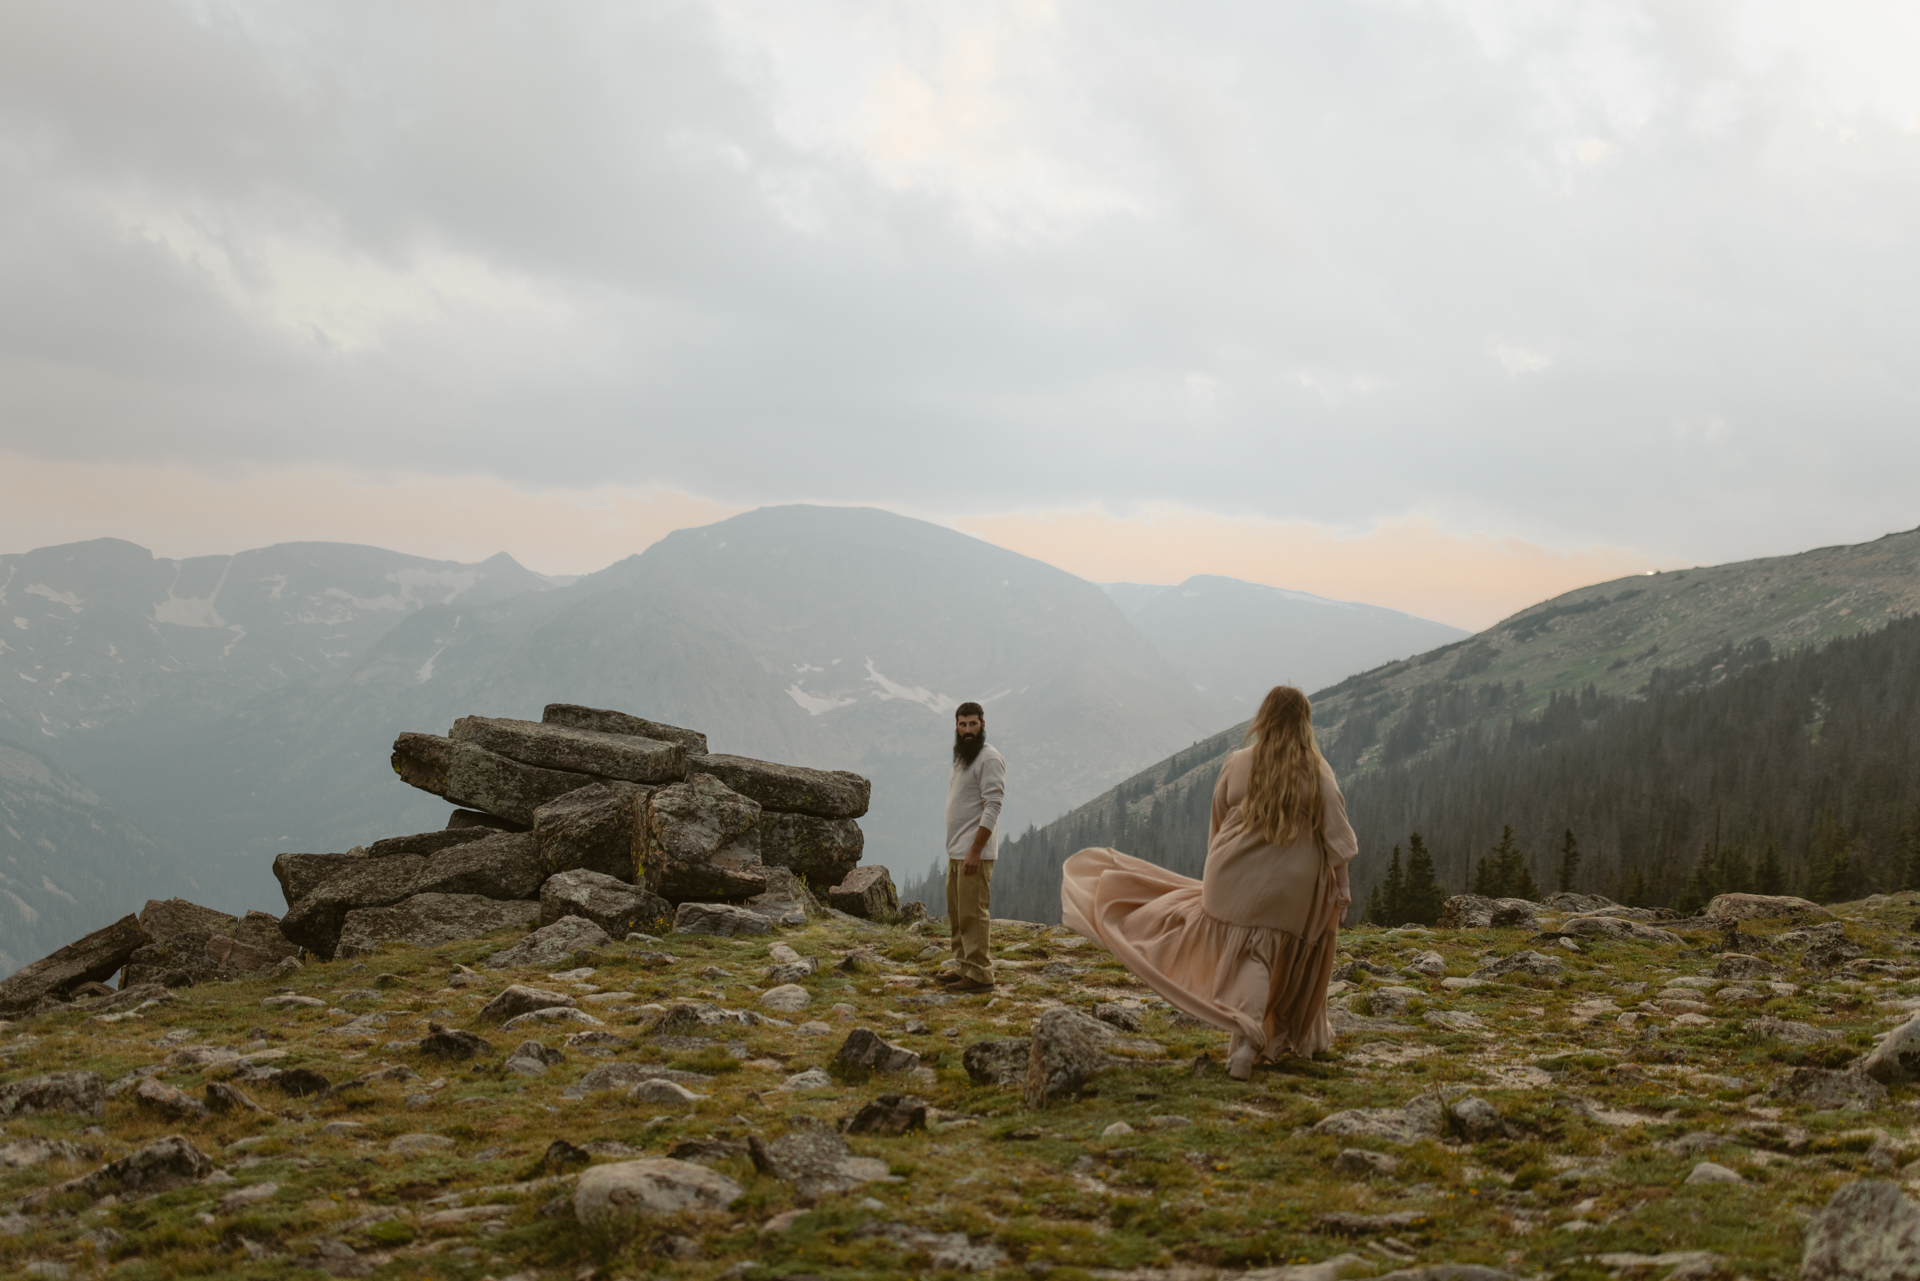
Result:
{"points": [[1249, 948]]}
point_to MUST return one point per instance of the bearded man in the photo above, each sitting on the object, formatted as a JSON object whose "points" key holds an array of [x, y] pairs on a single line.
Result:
{"points": [[975, 790]]}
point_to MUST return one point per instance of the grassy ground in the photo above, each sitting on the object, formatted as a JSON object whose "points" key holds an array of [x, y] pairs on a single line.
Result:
{"points": [[1216, 1175]]}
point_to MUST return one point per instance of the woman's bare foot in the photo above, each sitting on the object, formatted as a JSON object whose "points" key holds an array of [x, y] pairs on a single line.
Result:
{"points": [[1240, 1058]]}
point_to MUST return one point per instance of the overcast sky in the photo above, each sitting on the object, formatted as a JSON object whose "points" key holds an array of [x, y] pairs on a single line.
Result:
{"points": [[1442, 305]]}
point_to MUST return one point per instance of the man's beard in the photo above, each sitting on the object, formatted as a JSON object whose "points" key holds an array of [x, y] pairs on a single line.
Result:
{"points": [[966, 747]]}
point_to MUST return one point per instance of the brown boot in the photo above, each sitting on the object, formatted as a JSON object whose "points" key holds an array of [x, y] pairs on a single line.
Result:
{"points": [[969, 986]]}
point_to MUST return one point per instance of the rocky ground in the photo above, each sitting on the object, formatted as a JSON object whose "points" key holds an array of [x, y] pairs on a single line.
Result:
{"points": [[1622, 1100]]}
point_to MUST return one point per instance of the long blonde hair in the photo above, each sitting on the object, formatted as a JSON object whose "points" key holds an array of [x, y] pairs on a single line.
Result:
{"points": [[1283, 793]]}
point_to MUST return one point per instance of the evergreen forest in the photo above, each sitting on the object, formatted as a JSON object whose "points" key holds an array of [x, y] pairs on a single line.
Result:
{"points": [[1746, 771]]}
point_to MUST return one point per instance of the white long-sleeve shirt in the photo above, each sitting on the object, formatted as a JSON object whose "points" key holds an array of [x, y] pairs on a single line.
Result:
{"points": [[974, 793]]}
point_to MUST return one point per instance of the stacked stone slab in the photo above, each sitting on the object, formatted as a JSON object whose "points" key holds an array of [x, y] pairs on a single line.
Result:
{"points": [[586, 811]]}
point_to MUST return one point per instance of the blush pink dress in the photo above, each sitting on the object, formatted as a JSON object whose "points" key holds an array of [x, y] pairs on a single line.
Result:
{"points": [[1249, 948]]}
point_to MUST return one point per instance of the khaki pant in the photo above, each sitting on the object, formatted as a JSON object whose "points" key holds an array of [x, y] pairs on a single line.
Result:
{"points": [[969, 907]]}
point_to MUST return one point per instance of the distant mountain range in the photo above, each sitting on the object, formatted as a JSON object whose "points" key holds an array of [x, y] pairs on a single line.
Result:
{"points": [[1390, 730], [1236, 640], [184, 721]]}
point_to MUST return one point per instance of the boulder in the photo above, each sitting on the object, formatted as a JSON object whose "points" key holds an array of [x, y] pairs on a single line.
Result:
{"points": [[428, 920], [1896, 1059], [1614, 927], [158, 1167], [655, 1186], [890, 1115], [520, 999], [788, 998], [614, 905], [819, 850], [453, 1043], [1067, 1048], [1821, 1089], [315, 920], [813, 1157], [792, 789], [578, 751], [166, 917], [300, 875], [427, 844], [1739, 965], [683, 1017], [468, 774], [535, 1050], [156, 1096], [1535, 964], [786, 900], [701, 841], [81, 1093], [1475, 1119], [661, 1092], [624, 1076], [503, 865], [1421, 1118], [601, 721], [867, 893], [553, 945], [1764, 907], [864, 1053], [1567, 901], [551, 1014], [1477, 912], [474, 818], [93, 959], [594, 828], [720, 919], [1868, 1229], [1768, 1028]]}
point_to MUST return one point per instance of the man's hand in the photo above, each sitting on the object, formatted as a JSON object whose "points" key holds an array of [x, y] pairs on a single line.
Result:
{"points": [[971, 867]]}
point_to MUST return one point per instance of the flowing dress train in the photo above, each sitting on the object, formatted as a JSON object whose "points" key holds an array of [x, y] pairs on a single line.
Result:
{"points": [[1249, 948]]}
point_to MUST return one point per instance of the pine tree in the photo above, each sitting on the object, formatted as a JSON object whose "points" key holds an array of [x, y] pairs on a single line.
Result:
{"points": [[1504, 872], [1569, 861], [1638, 893], [1910, 848], [1388, 900], [1422, 895], [1770, 877]]}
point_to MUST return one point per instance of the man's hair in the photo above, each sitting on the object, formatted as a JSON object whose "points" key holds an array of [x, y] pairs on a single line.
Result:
{"points": [[969, 709]]}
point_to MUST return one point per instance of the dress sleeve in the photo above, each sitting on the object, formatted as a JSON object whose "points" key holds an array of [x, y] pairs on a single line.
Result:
{"points": [[1342, 845]]}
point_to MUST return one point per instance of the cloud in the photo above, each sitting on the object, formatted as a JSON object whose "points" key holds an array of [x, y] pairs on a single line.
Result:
{"points": [[1352, 265]]}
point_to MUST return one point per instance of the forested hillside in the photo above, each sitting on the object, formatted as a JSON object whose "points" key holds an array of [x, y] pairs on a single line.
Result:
{"points": [[1735, 768]]}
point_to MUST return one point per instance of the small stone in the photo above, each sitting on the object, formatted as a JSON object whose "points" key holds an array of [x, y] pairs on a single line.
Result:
{"points": [[1117, 1130], [154, 1096], [520, 999], [863, 1051], [815, 1028], [890, 1114], [656, 1186], [721, 920], [253, 1194], [420, 1144], [662, 1093], [1364, 1164], [815, 1159], [811, 1079], [551, 1015], [453, 1043], [82, 1093], [1868, 1229], [525, 1066], [788, 998], [1708, 1172]]}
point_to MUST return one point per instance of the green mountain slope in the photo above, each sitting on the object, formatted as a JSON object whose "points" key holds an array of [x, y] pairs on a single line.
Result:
{"points": [[1694, 628]]}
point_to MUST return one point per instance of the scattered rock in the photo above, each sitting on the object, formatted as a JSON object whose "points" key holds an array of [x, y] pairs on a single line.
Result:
{"points": [[1769, 1028], [655, 1186], [624, 1076], [1535, 964], [222, 1097], [300, 1082], [453, 1043], [93, 959], [1066, 1049], [562, 1156], [814, 1158], [550, 1015], [428, 920], [1477, 912], [82, 1093], [945, 1251], [155, 1096], [616, 907], [863, 1052], [1764, 907], [890, 1114], [1422, 1118], [1708, 1172], [1118, 1130], [1364, 1164], [1002, 1062], [793, 971], [252, 1194], [569, 940], [1740, 965], [1346, 1224], [1895, 1060], [1459, 1021], [1476, 1120], [1432, 964], [708, 1151], [535, 1050], [420, 1144], [1615, 927], [1821, 1089], [722, 920], [867, 892], [788, 998], [812, 1079], [1118, 1016], [789, 788], [337, 1258], [664, 1093], [521, 999], [158, 1167], [1868, 1229]]}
